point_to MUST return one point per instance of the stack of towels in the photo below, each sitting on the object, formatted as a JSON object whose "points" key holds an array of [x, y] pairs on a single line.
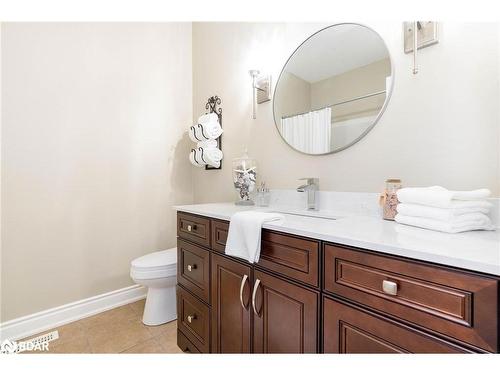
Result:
{"points": [[444, 210], [205, 134]]}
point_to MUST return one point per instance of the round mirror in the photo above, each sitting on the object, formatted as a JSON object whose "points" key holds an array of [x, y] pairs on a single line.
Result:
{"points": [[333, 89]]}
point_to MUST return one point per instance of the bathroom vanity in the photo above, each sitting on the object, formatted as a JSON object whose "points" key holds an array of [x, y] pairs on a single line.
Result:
{"points": [[358, 284], [338, 289]]}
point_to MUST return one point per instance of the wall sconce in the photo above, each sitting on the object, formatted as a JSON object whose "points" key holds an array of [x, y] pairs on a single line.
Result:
{"points": [[261, 90], [417, 35]]}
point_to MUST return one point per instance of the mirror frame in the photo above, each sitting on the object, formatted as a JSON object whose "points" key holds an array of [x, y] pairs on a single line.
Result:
{"points": [[382, 109]]}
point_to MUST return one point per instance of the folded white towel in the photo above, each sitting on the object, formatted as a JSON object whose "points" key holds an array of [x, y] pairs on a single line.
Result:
{"points": [[243, 239], [209, 127], [212, 156], [208, 117], [444, 214], [475, 221], [437, 196]]}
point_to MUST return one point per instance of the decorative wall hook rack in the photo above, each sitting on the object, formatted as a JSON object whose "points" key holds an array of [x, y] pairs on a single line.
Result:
{"points": [[212, 106]]}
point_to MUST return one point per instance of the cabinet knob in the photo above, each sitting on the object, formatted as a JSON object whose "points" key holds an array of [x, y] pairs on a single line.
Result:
{"points": [[191, 267], [190, 318], [390, 287]]}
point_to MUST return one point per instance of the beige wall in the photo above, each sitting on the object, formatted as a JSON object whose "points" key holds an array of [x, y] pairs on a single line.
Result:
{"points": [[356, 82], [441, 126], [294, 96], [94, 151], [93, 156], [1, 142]]}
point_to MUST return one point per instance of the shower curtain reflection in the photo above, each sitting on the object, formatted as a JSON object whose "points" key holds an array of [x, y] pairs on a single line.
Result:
{"points": [[309, 132]]}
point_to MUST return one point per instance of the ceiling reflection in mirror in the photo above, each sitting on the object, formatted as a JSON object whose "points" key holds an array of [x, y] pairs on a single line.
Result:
{"points": [[333, 89]]}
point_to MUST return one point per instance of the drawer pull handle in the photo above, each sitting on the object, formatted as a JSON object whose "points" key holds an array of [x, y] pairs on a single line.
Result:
{"points": [[243, 281], [255, 287], [190, 267], [190, 318], [190, 228], [390, 287]]}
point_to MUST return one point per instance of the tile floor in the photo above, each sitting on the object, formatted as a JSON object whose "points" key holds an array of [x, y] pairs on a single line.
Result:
{"points": [[118, 330]]}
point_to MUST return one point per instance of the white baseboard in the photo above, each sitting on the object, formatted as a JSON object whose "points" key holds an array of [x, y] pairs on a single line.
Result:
{"points": [[41, 321]]}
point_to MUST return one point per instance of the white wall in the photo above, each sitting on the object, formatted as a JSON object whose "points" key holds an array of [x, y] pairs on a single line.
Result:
{"points": [[441, 126], [93, 155]]}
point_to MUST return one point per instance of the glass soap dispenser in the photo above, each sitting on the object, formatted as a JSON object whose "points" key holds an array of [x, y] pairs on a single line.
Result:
{"points": [[263, 195], [244, 179]]}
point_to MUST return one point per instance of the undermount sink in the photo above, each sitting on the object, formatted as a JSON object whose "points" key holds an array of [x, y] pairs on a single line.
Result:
{"points": [[315, 214]]}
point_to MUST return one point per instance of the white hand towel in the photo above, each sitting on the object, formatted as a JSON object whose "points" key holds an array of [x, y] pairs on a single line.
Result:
{"points": [[213, 156], [437, 196], [212, 130], [476, 221], [209, 126], [444, 214], [243, 239], [208, 117]]}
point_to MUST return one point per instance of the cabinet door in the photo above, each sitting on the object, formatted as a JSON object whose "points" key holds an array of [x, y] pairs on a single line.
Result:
{"points": [[231, 315], [285, 316], [347, 329]]}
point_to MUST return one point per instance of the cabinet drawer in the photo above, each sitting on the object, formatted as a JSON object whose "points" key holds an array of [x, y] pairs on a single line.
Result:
{"points": [[457, 304], [193, 228], [351, 330], [294, 257], [193, 319], [219, 235], [193, 269], [184, 344]]}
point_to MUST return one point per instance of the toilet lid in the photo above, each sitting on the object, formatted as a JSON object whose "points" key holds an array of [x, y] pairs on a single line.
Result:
{"points": [[157, 259]]}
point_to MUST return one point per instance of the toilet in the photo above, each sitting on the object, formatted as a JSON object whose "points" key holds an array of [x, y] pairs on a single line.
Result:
{"points": [[158, 272]]}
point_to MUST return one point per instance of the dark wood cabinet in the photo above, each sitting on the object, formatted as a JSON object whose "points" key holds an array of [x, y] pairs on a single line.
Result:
{"points": [[194, 228], [220, 230], [290, 256], [231, 310], [457, 304], [193, 269], [285, 316], [307, 296], [355, 331], [193, 319], [184, 344]]}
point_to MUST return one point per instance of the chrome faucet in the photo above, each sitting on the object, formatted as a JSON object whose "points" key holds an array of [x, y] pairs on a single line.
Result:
{"points": [[311, 187]]}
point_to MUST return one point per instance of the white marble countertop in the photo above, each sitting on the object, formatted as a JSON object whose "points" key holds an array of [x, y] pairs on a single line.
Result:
{"points": [[475, 251]]}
